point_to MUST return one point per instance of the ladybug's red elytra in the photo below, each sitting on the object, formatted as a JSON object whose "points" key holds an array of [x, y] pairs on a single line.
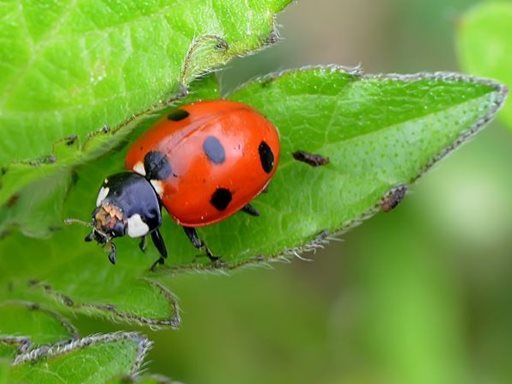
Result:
{"points": [[203, 162]]}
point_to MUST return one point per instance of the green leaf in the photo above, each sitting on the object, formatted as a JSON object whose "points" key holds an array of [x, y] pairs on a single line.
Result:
{"points": [[10, 346], [380, 132], [26, 325], [4, 369], [121, 295], [93, 359], [484, 44], [76, 76], [36, 210]]}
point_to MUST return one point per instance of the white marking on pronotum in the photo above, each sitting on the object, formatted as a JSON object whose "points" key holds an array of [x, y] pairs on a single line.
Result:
{"points": [[101, 195], [159, 188], [139, 168], [136, 227]]}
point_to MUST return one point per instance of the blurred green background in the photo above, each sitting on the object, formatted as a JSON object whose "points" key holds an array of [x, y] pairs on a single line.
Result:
{"points": [[418, 295]]}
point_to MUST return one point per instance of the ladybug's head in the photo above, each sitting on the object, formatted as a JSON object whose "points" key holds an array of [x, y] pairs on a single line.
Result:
{"points": [[108, 222], [127, 204], [103, 230]]}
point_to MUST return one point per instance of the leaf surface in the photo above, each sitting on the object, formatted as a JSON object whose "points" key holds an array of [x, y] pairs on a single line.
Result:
{"points": [[24, 326], [485, 45], [380, 132]]}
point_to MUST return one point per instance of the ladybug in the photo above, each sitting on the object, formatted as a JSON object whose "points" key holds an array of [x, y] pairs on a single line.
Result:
{"points": [[203, 163]]}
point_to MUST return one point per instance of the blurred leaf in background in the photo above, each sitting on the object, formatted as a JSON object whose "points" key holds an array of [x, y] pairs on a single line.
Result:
{"points": [[485, 44]]}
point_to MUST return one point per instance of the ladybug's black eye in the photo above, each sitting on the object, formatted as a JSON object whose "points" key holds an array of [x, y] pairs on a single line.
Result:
{"points": [[177, 115]]}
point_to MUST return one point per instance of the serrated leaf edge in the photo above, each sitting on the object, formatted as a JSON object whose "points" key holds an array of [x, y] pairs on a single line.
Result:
{"points": [[24, 343], [358, 72], [143, 343], [110, 311]]}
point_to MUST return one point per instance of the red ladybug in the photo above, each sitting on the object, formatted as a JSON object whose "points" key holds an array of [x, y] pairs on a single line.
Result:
{"points": [[203, 162]]}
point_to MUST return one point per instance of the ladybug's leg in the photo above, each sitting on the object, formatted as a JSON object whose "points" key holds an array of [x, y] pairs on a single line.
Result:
{"points": [[249, 209], [143, 243], [198, 243], [89, 237], [112, 253], [160, 245]]}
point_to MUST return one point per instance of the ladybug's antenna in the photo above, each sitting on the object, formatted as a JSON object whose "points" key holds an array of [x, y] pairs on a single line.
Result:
{"points": [[77, 221], [103, 239]]}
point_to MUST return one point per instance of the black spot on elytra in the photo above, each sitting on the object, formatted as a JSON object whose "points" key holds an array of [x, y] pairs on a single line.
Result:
{"points": [[221, 198], [266, 157], [177, 115], [157, 166], [214, 150]]}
